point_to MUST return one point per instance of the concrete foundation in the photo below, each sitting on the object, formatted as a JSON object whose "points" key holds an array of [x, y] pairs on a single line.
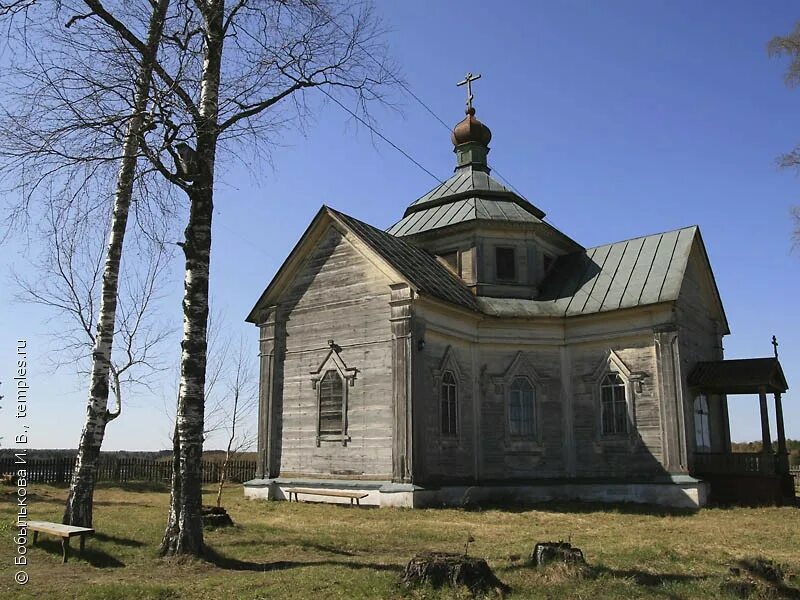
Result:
{"points": [[680, 491]]}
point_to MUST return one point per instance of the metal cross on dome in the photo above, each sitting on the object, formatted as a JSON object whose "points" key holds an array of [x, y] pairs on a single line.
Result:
{"points": [[468, 82]]}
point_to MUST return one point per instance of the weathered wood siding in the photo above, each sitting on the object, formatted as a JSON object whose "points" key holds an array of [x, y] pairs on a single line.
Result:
{"points": [[699, 339], [639, 452], [567, 441], [338, 295]]}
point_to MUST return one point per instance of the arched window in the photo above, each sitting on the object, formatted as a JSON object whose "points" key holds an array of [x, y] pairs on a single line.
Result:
{"points": [[449, 401], [330, 404], [702, 430], [521, 407], [613, 405]]}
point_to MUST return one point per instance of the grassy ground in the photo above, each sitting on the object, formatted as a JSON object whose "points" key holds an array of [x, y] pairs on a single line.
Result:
{"points": [[281, 550]]}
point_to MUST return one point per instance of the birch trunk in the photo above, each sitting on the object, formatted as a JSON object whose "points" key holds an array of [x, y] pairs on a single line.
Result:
{"points": [[184, 531], [78, 509]]}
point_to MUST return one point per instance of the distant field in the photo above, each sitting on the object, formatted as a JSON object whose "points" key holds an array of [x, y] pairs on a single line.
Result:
{"points": [[286, 551]]}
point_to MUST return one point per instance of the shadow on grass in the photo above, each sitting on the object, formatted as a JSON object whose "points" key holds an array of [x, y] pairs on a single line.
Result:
{"points": [[121, 541], [93, 556], [234, 564], [645, 578], [770, 575], [576, 507], [134, 486]]}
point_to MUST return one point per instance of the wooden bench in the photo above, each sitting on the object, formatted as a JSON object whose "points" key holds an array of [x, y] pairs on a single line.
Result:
{"points": [[354, 496], [63, 531]]}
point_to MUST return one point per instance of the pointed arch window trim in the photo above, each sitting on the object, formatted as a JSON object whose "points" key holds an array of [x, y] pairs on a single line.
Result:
{"points": [[330, 394], [449, 365], [632, 381], [521, 368]]}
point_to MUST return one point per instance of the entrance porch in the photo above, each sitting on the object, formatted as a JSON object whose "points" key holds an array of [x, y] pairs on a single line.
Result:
{"points": [[751, 477]]}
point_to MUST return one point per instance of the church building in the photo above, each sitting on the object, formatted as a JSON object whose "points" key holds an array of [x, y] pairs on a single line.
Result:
{"points": [[473, 353]]}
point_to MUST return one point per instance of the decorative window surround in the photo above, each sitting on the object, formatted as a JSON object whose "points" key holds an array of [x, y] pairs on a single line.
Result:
{"points": [[334, 362], [612, 363], [449, 364], [520, 366]]}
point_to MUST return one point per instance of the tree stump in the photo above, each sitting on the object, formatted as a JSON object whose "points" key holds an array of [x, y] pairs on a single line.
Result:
{"points": [[442, 568], [215, 516], [545, 553]]}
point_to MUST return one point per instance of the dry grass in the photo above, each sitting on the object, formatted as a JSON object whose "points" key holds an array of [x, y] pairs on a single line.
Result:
{"points": [[281, 550]]}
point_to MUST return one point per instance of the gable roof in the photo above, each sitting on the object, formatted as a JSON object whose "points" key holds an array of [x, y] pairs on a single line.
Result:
{"points": [[636, 272], [739, 376], [420, 269]]}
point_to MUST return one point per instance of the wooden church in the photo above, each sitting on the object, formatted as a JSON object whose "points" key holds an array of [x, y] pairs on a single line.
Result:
{"points": [[474, 353]]}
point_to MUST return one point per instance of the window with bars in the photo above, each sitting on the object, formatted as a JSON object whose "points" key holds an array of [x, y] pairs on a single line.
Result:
{"points": [[522, 398], [449, 404], [331, 397], [613, 405]]}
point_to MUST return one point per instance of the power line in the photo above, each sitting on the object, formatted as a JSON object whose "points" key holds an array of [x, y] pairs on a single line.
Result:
{"points": [[380, 135]]}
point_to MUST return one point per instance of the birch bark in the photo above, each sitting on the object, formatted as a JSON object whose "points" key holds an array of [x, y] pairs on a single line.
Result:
{"points": [[78, 510], [184, 531]]}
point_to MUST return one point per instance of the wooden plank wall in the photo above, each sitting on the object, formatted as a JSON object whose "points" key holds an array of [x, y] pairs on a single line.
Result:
{"points": [[338, 295]]}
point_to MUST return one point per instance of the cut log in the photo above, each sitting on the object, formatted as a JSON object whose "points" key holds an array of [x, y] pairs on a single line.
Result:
{"points": [[441, 568], [545, 553], [215, 516]]}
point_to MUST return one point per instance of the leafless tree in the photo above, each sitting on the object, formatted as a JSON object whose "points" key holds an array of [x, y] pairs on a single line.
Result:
{"points": [[66, 277], [208, 106], [66, 141], [239, 405], [275, 51], [789, 45]]}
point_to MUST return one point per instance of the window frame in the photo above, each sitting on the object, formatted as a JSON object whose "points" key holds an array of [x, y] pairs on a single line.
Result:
{"points": [[331, 434], [515, 275], [530, 434], [452, 408], [619, 385], [705, 432], [347, 376]]}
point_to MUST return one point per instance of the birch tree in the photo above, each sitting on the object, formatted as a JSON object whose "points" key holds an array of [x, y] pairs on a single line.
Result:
{"points": [[228, 77], [30, 143], [276, 52], [78, 510], [66, 278]]}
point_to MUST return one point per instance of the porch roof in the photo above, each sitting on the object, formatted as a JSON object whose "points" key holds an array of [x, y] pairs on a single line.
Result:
{"points": [[739, 376]]}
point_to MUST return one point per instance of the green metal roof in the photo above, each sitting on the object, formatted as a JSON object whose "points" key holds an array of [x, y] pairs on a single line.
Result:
{"points": [[635, 272], [470, 194]]}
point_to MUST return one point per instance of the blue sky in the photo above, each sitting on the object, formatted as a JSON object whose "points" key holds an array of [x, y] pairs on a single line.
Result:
{"points": [[617, 118]]}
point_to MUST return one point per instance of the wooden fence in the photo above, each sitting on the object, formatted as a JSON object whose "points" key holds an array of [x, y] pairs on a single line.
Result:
{"points": [[795, 471], [59, 470]]}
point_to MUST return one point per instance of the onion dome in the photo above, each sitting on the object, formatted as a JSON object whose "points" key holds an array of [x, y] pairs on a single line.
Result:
{"points": [[471, 130]]}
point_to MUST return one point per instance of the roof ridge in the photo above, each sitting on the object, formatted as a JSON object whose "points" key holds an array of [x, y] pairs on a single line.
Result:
{"points": [[641, 237]]}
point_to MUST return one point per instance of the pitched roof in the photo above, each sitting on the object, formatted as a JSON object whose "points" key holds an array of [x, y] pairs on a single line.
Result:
{"points": [[421, 269], [466, 209], [739, 376], [470, 194], [418, 267], [635, 272]]}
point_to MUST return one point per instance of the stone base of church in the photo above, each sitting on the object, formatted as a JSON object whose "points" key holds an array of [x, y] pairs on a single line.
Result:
{"points": [[678, 491]]}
